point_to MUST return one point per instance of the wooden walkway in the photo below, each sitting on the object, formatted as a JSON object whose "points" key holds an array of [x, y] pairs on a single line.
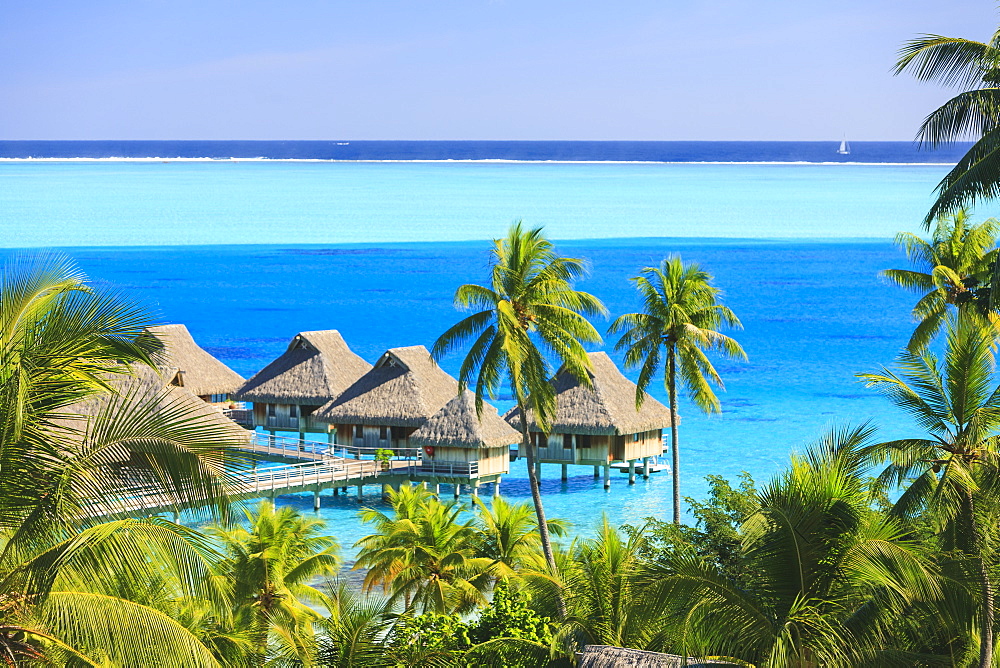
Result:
{"points": [[320, 466]]}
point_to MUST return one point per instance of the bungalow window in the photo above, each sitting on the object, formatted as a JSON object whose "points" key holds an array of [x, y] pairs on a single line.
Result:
{"points": [[635, 438], [218, 398], [359, 431], [306, 411], [567, 441], [293, 411], [383, 433], [583, 441], [272, 410]]}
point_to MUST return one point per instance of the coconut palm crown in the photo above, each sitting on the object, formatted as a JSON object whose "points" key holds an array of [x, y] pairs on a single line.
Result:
{"points": [[972, 114], [529, 314], [680, 321], [950, 270]]}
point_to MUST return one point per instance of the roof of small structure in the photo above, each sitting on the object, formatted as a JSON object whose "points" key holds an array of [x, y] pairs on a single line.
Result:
{"points": [[201, 373], [457, 425], [316, 367], [606, 408], [403, 389], [606, 656], [145, 386]]}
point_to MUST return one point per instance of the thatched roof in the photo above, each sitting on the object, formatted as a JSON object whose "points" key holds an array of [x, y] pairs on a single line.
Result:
{"points": [[200, 372], [606, 656], [316, 367], [403, 389], [457, 425], [146, 385], [606, 408]]}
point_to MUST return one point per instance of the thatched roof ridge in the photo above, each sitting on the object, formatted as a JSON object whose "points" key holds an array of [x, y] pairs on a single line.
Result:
{"points": [[457, 425], [403, 389], [144, 385], [606, 408], [606, 656], [316, 367], [200, 372]]}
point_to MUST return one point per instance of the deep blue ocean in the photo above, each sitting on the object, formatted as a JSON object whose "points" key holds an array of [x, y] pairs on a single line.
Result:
{"points": [[248, 253], [624, 151]]}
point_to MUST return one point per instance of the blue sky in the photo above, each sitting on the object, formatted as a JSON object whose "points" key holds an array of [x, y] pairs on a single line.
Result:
{"points": [[469, 69]]}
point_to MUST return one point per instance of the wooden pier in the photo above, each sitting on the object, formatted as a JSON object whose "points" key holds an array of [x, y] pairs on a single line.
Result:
{"points": [[319, 466]]}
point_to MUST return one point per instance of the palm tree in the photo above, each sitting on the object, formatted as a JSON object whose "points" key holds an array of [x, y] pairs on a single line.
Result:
{"points": [[271, 565], [508, 534], [354, 634], [530, 311], [679, 323], [949, 269], [426, 555], [63, 344], [953, 467], [973, 113], [833, 575]]}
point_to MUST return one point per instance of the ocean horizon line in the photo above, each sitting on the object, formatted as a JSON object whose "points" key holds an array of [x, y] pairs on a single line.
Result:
{"points": [[167, 159], [376, 245]]}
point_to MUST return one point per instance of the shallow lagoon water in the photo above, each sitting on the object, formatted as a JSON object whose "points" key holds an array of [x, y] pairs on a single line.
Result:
{"points": [[814, 314], [248, 254]]}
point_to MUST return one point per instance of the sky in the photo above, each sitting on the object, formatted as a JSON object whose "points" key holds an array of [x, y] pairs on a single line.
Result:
{"points": [[470, 69]]}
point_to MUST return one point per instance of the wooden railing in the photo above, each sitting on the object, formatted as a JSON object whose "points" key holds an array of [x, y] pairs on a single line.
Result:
{"points": [[289, 446], [450, 469], [241, 416]]}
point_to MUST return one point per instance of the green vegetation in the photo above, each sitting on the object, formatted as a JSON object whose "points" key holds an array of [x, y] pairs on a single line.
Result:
{"points": [[860, 553], [680, 321], [529, 314], [971, 114]]}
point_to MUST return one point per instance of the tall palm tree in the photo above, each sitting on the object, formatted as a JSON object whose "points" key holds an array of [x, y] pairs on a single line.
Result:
{"points": [[680, 321], [949, 270], [974, 114], [271, 565], [63, 343], [426, 556], [954, 467], [833, 575], [529, 313]]}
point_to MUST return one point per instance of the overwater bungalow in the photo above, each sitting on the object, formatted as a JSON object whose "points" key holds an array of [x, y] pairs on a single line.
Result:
{"points": [[317, 367], [458, 443], [598, 425], [389, 402], [196, 370]]}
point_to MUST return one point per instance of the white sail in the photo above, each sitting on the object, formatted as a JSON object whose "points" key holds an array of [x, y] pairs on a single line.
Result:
{"points": [[845, 148]]}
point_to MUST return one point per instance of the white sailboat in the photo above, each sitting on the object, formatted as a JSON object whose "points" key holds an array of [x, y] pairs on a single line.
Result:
{"points": [[845, 148]]}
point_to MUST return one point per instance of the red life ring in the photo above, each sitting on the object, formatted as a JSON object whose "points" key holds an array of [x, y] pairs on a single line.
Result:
{"points": [[429, 450]]}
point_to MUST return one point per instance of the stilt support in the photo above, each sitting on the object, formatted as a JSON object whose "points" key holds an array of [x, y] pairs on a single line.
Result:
{"points": [[597, 472], [316, 500], [458, 490], [361, 492], [437, 489], [475, 488], [496, 488], [565, 472], [631, 472], [645, 468], [607, 476], [538, 471]]}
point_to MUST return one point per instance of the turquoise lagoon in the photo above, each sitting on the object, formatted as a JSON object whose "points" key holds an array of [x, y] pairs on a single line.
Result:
{"points": [[248, 254]]}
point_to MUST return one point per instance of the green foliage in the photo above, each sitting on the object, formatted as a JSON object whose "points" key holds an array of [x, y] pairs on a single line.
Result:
{"points": [[971, 114], [529, 314], [384, 455], [954, 268], [428, 639], [509, 616], [679, 323], [716, 534]]}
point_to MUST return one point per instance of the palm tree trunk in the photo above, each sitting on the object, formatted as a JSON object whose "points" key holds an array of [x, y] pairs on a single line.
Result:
{"points": [[536, 498], [973, 547], [675, 464]]}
